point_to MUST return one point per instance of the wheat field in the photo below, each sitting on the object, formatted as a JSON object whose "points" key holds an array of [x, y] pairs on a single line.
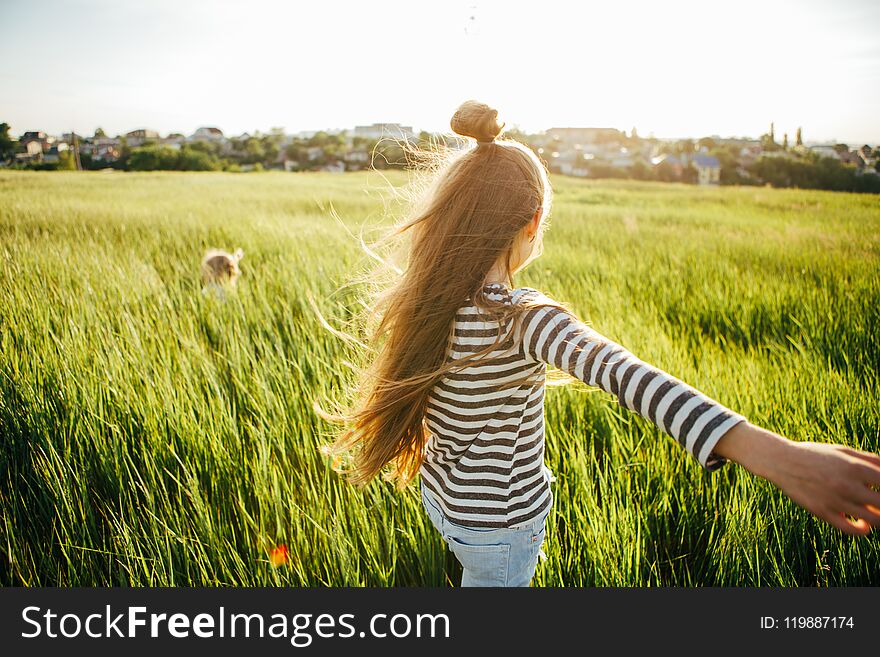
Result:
{"points": [[155, 436]]}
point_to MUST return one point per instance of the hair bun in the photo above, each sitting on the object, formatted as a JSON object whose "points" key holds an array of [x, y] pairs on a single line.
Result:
{"points": [[477, 120]]}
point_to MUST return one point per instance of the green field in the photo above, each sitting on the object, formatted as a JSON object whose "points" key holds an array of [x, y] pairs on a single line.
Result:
{"points": [[155, 436]]}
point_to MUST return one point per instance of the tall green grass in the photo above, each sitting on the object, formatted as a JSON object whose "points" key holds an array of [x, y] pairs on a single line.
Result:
{"points": [[152, 435]]}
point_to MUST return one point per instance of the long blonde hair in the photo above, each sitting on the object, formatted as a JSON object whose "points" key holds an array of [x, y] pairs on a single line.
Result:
{"points": [[470, 215]]}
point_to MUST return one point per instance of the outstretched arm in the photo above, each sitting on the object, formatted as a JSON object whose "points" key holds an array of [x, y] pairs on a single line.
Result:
{"points": [[696, 421], [830, 481]]}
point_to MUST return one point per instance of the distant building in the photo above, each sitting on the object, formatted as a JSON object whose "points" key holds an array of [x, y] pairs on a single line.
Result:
{"points": [[356, 159], [568, 163], [137, 138], [378, 131], [106, 149], [669, 163], [825, 151], [750, 152], [33, 147], [69, 137], [52, 155], [36, 142], [852, 157], [621, 159], [584, 136], [174, 140], [207, 134], [708, 169]]}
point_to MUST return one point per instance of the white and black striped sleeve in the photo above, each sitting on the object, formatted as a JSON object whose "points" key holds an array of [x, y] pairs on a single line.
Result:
{"points": [[696, 421]]}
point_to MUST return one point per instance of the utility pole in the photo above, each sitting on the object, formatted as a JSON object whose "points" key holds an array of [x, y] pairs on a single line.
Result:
{"points": [[75, 146]]}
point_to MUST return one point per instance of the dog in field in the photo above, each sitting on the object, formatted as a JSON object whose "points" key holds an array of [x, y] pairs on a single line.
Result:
{"points": [[220, 269]]}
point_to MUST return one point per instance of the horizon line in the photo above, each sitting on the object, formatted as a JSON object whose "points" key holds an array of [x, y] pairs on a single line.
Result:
{"points": [[336, 130]]}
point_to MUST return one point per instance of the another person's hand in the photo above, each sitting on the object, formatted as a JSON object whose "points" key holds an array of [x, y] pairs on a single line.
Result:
{"points": [[830, 481]]}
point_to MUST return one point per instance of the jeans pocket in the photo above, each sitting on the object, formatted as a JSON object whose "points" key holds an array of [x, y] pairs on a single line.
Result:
{"points": [[538, 538], [484, 565], [538, 535]]}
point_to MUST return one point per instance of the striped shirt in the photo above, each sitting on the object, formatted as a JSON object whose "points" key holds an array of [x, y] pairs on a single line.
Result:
{"points": [[484, 457]]}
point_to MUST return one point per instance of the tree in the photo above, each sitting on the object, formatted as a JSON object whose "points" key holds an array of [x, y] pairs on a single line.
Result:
{"points": [[99, 132], [7, 145], [66, 161], [193, 159], [798, 140], [689, 174], [152, 158], [271, 148], [728, 157], [684, 146], [640, 171], [813, 172], [785, 141], [253, 150], [707, 143], [768, 142], [204, 147], [667, 172]]}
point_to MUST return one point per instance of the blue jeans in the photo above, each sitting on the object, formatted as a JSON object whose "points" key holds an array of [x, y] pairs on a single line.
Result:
{"points": [[491, 557]]}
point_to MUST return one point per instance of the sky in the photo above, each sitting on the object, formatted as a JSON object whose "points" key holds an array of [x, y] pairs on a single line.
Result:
{"points": [[672, 69]]}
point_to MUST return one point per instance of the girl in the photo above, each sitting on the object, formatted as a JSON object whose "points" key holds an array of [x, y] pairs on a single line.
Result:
{"points": [[455, 390]]}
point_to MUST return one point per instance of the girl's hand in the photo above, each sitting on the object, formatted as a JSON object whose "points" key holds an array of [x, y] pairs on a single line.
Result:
{"points": [[833, 482], [830, 481]]}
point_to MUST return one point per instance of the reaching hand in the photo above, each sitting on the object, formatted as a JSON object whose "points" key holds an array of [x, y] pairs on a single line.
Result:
{"points": [[833, 482], [830, 481]]}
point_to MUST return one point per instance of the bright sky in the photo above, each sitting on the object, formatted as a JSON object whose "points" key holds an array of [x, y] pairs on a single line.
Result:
{"points": [[672, 68]]}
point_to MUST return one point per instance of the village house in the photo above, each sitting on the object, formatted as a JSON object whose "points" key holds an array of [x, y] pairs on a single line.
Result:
{"points": [[174, 140], [356, 160], [670, 162], [583, 137], [825, 151], [569, 163], [358, 155], [621, 159], [208, 134], [40, 139], [708, 169], [107, 149], [53, 154], [851, 157], [137, 138], [35, 144]]}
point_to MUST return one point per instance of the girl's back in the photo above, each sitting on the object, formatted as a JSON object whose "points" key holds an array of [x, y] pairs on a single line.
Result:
{"points": [[485, 453], [484, 456]]}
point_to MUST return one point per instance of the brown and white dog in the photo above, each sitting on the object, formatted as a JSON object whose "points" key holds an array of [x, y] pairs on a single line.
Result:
{"points": [[220, 268]]}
